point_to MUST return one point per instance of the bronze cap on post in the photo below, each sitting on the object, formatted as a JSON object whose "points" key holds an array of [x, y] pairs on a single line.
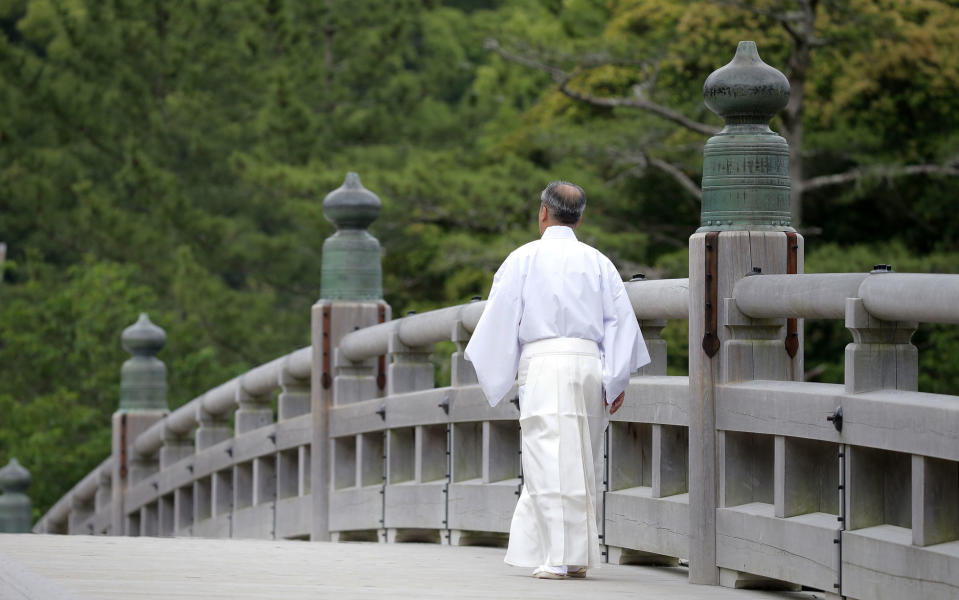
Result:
{"points": [[143, 376], [15, 511], [746, 166], [351, 256]]}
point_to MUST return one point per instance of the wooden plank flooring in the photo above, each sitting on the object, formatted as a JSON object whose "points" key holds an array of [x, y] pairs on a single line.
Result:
{"points": [[46, 567]]}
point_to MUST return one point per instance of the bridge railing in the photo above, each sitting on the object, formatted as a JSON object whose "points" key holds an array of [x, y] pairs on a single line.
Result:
{"points": [[438, 464], [755, 476], [410, 462], [208, 479], [878, 478], [191, 473], [85, 508]]}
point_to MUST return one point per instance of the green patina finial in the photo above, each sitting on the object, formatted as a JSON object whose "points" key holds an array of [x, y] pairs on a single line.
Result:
{"points": [[143, 377], [15, 514], [746, 166], [14, 478], [351, 256]]}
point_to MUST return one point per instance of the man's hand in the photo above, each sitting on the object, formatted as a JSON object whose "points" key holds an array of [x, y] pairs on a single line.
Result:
{"points": [[617, 403]]}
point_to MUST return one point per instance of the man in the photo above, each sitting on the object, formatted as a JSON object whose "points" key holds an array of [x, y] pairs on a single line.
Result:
{"points": [[558, 317]]}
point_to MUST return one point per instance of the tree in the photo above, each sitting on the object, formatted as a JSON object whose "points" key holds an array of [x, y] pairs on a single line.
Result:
{"points": [[823, 45], [175, 161]]}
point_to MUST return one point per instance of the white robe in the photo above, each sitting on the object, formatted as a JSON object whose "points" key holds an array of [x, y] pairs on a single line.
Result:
{"points": [[555, 287], [558, 313], [562, 419]]}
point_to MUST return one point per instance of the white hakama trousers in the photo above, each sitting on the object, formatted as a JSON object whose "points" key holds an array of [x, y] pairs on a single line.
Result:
{"points": [[562, 419]]}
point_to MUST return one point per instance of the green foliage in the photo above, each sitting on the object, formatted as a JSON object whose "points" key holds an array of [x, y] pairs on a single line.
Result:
{"points": [[173, 161], [58, 437], [58, 333]]}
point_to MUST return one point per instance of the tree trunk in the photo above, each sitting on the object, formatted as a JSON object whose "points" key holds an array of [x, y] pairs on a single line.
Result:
{"points": [[802, 33]]}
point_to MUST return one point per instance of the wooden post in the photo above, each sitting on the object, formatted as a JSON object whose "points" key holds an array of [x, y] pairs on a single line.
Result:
{"points": [[351, 292], [745, 229], [143, 402]]}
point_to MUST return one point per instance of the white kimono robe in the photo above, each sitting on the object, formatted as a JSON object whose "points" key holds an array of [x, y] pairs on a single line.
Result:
{"points": [[568, 298]]}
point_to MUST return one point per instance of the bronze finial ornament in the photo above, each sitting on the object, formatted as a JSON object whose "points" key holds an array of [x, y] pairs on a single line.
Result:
{"points": [[351, 256], [746, 166]]}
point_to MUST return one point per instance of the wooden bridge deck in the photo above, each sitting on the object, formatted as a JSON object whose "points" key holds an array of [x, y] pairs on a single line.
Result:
{"points": [[46, 567]]}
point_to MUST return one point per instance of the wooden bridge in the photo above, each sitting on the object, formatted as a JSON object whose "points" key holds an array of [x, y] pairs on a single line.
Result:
{"points": [[753, 476], [108, 568]]}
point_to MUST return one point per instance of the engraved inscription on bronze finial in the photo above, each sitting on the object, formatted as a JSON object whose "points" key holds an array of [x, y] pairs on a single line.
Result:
{"points": [[792, 264]]}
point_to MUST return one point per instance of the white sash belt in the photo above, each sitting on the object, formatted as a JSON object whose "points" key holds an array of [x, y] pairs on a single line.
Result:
{"points": [[561, 345]]}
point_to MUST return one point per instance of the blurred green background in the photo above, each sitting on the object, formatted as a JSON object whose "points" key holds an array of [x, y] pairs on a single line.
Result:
{"points": [[172, 158]]}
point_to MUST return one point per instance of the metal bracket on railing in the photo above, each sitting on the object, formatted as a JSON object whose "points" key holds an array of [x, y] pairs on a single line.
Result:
{"points": [[606, 476], [382, 412], [792, 266], [445, 405], [381, 360], [386, 445], [516, 402], [449, 480], [522, 478], [123, 445], [326, 379], [841, 518], [711, 336], [836, 418]]}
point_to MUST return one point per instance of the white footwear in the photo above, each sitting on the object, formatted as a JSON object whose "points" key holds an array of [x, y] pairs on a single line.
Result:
{"points": [[548, 573]]}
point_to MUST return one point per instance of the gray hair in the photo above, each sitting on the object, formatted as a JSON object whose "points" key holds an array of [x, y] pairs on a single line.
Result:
{"points": [[564, 201]]}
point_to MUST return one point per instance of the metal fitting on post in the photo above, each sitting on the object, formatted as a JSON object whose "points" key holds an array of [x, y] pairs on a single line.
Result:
{"points": [[746, 166], [351, 256], [143, 377], [15, 513]]}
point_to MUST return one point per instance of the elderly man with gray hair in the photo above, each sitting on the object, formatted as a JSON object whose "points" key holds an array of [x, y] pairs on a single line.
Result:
{"points": [[559, 322]]}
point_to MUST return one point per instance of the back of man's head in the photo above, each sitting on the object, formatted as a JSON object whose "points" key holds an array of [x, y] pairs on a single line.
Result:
{"points": [[564, 201]]}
